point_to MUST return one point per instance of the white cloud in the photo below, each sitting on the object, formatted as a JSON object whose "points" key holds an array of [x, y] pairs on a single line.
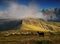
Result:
{"points": [[22, 11]]}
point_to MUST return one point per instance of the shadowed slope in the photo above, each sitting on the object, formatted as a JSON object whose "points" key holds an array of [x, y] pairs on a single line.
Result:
{"points": [[6, 24]]}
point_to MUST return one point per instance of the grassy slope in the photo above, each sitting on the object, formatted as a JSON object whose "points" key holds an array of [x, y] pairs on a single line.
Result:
{"points": [[32, 25], [39, 25]]}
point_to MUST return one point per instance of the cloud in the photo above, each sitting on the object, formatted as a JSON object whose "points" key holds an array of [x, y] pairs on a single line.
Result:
{"points": [[19, 11]]}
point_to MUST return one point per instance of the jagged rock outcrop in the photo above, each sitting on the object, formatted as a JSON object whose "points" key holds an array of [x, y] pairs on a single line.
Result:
{"points": [[53, 14]]}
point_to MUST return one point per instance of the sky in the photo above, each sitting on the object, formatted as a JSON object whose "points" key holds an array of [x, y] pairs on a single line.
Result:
{"points": [[41, 3], [49, 3], [27, 8]]}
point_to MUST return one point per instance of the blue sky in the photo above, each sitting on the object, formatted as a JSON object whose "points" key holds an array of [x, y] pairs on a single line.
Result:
{"points": [[49, 3], [41, 3]]}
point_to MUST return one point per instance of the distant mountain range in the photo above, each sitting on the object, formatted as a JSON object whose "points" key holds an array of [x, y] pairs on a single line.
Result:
{"points": [[53, 14]]}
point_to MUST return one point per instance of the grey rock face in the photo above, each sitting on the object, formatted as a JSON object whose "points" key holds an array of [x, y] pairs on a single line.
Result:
{"points": [[52, 14]]}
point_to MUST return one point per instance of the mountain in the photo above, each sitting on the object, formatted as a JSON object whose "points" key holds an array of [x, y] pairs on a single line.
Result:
{"points": [[40, 25], [53, 14], [30, 24]]}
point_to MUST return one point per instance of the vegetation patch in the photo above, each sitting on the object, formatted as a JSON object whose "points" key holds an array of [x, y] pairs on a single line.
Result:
{"points": [[42, 42]]}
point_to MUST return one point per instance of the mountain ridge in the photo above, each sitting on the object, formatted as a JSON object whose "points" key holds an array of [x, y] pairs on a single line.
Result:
{"points": [[31, 24]]}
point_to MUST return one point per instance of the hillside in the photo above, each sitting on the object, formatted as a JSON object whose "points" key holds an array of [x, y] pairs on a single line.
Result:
{"points": [[53, 14], [40, 25], [28, 32], [35, 25]]}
